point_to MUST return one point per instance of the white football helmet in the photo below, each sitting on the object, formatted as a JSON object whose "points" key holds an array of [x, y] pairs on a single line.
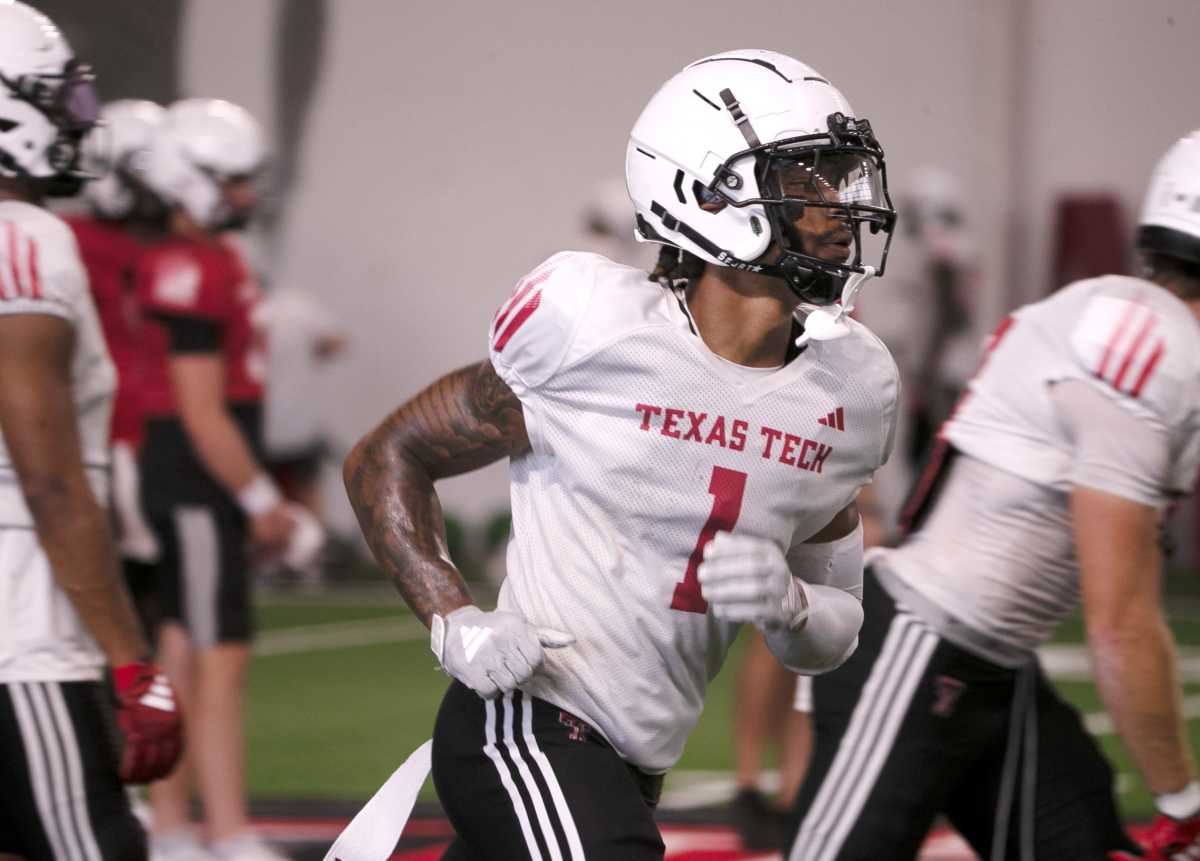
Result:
{"points": [[115, 153], [711, 156], [202, 145], [47, 102], [1170, 220]]}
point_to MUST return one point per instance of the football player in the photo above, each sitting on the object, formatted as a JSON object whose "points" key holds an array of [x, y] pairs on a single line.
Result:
{"points": [[123, 218], [64, 613], [1049, 485], [679, 465], [204, 488]]}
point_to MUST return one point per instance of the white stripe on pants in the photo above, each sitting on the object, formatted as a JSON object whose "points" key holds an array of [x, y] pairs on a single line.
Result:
{"points": [[55, 770], [200, 568], [868, 740]]}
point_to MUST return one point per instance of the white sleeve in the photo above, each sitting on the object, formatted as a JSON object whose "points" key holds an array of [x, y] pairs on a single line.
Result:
{"points": [[34, 277], [1114, 450], [533, 330]]}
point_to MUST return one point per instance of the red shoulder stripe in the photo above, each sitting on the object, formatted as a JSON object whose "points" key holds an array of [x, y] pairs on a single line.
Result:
{"points": [[1135, 348], [1151, 364], [521, 293], [15, 272], [35, 281], [519, 320], [1115, 338]]}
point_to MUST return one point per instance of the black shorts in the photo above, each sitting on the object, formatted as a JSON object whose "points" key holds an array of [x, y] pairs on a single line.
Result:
{"points": [[62, 798], [913, 726], [204, 577], [520, 779]]}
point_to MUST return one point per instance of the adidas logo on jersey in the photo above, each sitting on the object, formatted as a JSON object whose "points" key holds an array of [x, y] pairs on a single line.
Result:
{"points": [[473, 639], [835, 420]]}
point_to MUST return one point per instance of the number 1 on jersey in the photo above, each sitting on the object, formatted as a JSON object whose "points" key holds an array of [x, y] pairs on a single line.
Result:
{"points": [[726, 487]]}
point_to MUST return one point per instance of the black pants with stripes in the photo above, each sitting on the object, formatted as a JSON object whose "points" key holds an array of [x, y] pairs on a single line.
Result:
{"points": [[912, 726], [522, 779], [62, 799]]}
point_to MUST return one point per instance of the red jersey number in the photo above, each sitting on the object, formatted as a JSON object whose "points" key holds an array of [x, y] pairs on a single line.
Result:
{"points": [[727, 487]]}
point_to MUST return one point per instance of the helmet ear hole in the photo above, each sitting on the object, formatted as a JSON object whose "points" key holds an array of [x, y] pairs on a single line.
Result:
{"points": [[709, 201]]}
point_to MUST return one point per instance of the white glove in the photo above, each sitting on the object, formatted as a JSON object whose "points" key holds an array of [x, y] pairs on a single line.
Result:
{"points": [[747, 579], [491, 653]]}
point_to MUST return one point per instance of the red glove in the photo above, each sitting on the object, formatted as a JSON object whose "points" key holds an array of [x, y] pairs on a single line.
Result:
{"points": [[1167, 840], [149, 719]]}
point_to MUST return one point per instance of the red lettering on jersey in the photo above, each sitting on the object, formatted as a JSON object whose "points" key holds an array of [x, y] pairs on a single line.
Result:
{"points": [[717, 432], [668, 428], [696, 420], [803, 462], [789, 446], [823, 452], [647, 411], [738, 434], [771, 434]]}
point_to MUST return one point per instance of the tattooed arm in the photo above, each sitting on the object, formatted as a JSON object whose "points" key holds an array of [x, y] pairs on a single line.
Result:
{"points": [[466, 420]]}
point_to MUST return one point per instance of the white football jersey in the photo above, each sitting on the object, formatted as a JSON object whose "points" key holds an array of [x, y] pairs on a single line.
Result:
{"points": [[644, 444], [997, 552], [41, 637]]}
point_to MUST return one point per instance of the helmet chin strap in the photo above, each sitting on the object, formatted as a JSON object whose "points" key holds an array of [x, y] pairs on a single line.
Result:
{"points": [[820, 325]]}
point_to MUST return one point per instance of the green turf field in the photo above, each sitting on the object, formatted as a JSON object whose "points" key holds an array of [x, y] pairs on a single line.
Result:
{"points": [[347, 688]]}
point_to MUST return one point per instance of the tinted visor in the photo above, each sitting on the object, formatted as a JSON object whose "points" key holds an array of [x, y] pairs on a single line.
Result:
{"points": [[69, 99], [77, 103], [835, 178]]}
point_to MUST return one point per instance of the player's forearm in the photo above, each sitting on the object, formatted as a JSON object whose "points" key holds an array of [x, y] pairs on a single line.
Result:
{"points": [[1135, 669], [73, 531], [401, 518], [221, 447], [826, 637]]}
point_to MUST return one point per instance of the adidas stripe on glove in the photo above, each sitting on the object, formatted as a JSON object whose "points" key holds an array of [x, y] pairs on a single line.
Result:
{"points": [[150, 723], [491, 653]]}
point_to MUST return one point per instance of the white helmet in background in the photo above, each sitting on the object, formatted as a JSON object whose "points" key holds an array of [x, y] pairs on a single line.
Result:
{"points": [[707, 156], [47, 102], [115, 155], [203, 145], [1170, 220]]}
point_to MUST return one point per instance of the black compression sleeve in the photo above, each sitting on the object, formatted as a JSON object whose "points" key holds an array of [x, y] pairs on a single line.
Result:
{"points": [[191, 334]]}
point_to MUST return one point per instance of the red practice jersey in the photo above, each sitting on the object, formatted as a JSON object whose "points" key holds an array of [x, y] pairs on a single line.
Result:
{"points": [[110, 256], [207, 283]]}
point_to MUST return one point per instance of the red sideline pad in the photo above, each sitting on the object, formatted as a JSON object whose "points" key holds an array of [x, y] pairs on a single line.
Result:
{"points": [[684, 842]]}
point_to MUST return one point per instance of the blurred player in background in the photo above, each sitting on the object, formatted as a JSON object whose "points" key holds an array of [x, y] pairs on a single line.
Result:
{"points": [[685, 453], [64, 612], [302, 339], [122, 219], [204, 487], [1050, 484]]}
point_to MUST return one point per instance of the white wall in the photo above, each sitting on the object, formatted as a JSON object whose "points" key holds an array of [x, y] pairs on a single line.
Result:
{"points": [[1111, 85], [454, 144]]}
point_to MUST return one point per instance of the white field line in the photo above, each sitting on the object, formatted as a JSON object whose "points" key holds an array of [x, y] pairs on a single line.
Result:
{"points": [[1069, 663], [339, 635], [686, 788]]}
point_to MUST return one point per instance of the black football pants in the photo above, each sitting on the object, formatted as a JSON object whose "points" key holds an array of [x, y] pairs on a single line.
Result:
{"points": [[913, 726], [521, 779]]}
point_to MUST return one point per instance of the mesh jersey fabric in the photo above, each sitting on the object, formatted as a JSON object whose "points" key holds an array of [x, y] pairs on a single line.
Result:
{"points": [[41, 636], [997, 550], [643, 443]]}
